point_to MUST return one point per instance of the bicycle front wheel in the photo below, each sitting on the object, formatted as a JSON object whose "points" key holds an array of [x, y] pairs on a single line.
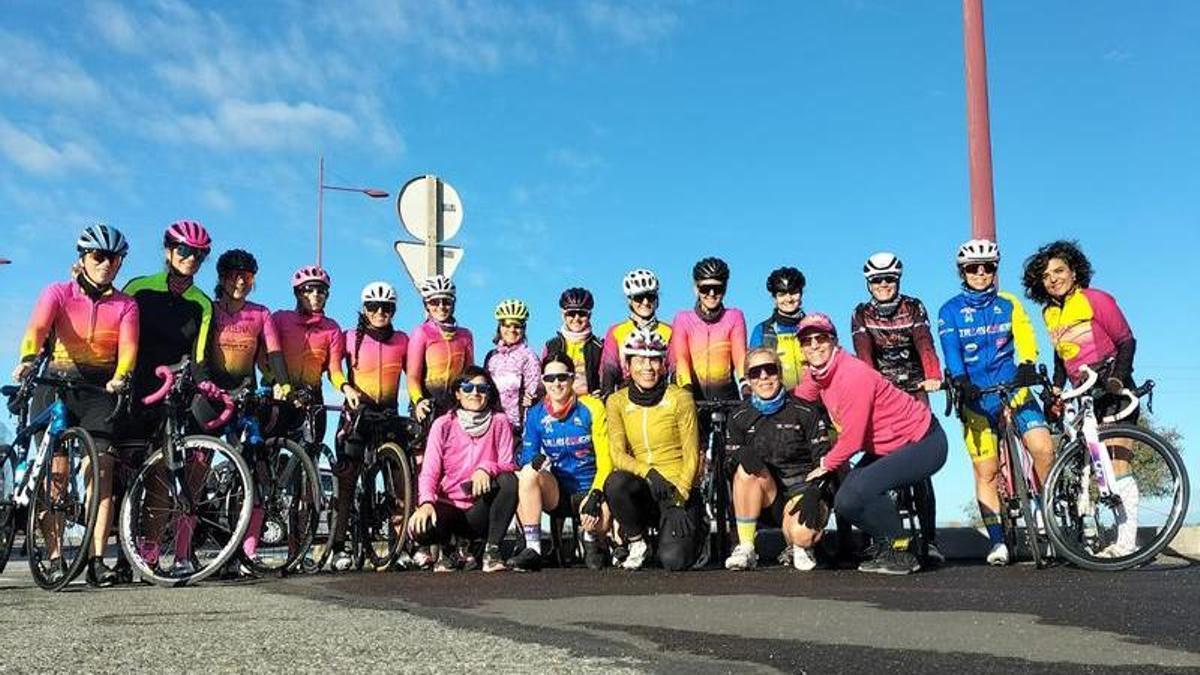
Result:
{"points": [[1025, 498], [180, 526], [1140, 516], [62, 511], [8, 508], [387, 504], [289, 494]]}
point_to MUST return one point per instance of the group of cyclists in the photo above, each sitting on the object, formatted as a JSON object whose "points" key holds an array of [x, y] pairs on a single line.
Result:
{"points": [[602, 430]]}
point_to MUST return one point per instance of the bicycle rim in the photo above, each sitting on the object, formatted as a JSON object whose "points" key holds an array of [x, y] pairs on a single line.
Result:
{"points": [[1024, 499], [62, 513], [389, 505], [1082, 524], [155, 520], [289, 492], [8, 510], [1008, 521]]}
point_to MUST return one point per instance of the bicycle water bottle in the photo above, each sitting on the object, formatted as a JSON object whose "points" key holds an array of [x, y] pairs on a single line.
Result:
{"points": [[19, 473]]}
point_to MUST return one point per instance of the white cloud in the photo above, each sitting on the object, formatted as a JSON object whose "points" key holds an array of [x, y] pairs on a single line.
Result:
{"points": [[115, 25], [39, 157], [270, 125], [632, 24], [216, 200], [31, 72]]}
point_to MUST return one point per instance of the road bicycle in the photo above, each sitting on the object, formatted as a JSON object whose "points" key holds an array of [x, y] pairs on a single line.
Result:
{"points": [[1117, 493], [715, 484]]}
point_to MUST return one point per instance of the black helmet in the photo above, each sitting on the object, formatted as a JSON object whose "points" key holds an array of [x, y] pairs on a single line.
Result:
{"points": [[236, 259], [785, 280], [711, 268], [576, 298]]}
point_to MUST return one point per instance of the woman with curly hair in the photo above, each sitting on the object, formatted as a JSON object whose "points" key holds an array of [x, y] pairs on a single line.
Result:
{"points": [[1088, 329]]}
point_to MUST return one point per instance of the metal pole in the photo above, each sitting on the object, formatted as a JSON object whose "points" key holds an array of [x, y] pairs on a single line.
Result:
{"points": [[320, 205], [433, 233], [979, 136]]}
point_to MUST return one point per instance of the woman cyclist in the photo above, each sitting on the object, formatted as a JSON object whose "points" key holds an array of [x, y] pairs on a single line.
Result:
{"points": [[708, 342], [438, 352], [641, 290], [891, 333], [575, 339], [467, 487], [512, 364], [1088, 328], [564, 462], [901, 440], [786, 286], [987, 339], [94, 330], [375, 353], [655, 447]]}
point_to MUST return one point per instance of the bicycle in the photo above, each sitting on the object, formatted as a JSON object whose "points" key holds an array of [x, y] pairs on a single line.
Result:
{"points": [[309, 438], [384, 488], [1091, 523], [715, 485], [59, 502], [1020, 500], [190, 480]]}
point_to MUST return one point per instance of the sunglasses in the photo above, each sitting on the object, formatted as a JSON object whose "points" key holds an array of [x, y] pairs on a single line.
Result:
{"points": [[99, 257], [517, 325], [711, 289], [641, 298], [439, 302], [576, 314], [875, 281], [762, 371], [483, 389], [979, 268], [558, 377], [375, 306], [245, 275], [314, 289], [186, 251], [814, 340]]}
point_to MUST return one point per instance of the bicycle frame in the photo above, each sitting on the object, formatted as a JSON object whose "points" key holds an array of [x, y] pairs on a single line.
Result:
{"points": [[52, 420], [1080, 421]]}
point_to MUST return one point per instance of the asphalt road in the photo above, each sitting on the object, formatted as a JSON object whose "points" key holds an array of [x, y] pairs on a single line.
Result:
{"points": [[960, 618]]}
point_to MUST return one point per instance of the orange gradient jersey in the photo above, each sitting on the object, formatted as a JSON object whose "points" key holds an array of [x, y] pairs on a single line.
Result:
{"points": [[94, 338]]}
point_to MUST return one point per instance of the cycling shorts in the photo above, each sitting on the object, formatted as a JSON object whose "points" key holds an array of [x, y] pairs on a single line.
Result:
{"points": [[981, 419]]}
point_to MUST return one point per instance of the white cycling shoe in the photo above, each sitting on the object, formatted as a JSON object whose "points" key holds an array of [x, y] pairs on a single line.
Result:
{"points": [[803, 559], [998, 555], [638, 551], [743, 557]]}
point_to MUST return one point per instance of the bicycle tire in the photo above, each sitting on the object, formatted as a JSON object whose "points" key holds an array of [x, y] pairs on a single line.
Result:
{"points": [[8, 508], [1061, 493], [394, 502], [291, 501], [328, 501], [1008, 523], [233, 498], [1024, 498], [81, 512]]}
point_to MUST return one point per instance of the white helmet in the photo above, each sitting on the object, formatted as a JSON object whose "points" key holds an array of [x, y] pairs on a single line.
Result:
{"points": [[645, 342], [978, 251], [640, 281], [437, 286], [379, 291], [883, 263]]}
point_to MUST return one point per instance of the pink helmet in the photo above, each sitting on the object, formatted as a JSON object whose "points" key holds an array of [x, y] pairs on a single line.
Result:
{"points": [[308, 274], [816, 323], [187, 232]]}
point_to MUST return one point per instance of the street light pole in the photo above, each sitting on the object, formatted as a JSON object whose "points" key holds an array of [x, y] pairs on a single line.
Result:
{"points": [[979, 135], [373, 193]]}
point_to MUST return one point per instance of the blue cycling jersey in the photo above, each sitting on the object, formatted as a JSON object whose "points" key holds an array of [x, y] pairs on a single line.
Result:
{"points": [[980, 332], [575, 444]]}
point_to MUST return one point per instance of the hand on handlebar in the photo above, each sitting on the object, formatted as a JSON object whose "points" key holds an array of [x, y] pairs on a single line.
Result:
{"points": [[1027, 375], [116, 385], [23, 368], [1114, 386], [930, 385], [968, 389], [281, 391], [353, 396], [422, 409]]}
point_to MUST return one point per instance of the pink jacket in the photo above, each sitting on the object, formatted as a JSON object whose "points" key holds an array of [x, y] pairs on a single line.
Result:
{"points": [[451, 456], [516, 370], [869, 412]]}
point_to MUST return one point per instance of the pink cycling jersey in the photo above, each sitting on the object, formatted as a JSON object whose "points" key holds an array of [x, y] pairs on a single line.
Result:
{"points": [[239, 339], [1086, 328], [709, 357], [312, 345], [452, 455], [516, 370], [436, 358], [375, 366], [869, 413], [96, 338]]}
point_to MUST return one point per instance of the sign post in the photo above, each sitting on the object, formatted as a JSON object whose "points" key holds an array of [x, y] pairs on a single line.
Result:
{"points": [[430, 210]]}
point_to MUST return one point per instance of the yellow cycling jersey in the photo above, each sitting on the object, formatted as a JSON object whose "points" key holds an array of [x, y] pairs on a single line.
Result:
{"points": [[664, 437]]}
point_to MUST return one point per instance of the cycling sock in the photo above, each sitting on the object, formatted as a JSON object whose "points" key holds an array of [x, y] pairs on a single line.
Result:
{"points": [[995, 533], [746, 527], [533, 536], [183, 537], [900, 544], [1126, 488], [250, 545]]}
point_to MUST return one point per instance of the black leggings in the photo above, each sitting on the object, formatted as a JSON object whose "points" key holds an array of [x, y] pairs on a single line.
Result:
{"points": [[635, 510], [863, 499], [489, 515]]}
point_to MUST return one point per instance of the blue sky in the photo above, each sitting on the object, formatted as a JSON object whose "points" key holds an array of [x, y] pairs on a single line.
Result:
{"points": [[590, 137]]}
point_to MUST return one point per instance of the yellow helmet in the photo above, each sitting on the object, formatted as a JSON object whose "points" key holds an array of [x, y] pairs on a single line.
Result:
{"points": [[512, 310]]}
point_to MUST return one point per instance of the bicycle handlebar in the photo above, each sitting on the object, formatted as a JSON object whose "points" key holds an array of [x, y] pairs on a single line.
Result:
{"points": [[1090, 377], [165, 374], [214, 393], [1134, 396]]}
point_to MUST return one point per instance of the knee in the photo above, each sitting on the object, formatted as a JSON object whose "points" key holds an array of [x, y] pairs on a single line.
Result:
{"points": [[674, 556], [618, 483], [849, 500], [506, 482]]}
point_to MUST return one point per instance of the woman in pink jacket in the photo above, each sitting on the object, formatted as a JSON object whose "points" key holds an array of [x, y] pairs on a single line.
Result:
{"points": [[468, 486], [514, 367], [901, 440]]}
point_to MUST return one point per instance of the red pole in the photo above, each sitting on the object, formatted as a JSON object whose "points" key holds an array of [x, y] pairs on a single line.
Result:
{"points": [[320, 204], [979, 135]]}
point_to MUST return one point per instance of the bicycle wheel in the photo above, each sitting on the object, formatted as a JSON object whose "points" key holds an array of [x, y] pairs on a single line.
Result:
{"points": [[289, 494], [320, 549], [8, 509], [62, 511], [180, 527], [1024, 498], [1009, 512], [386, 505], [1085, 526]]}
